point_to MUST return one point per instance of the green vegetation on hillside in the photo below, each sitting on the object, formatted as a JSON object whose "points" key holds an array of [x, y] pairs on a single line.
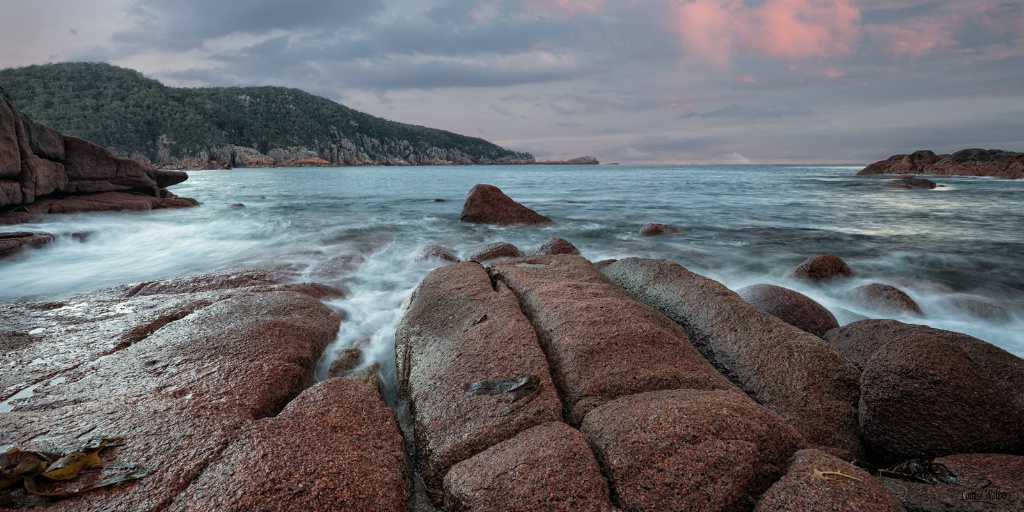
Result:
{"points": [[136, 116]]}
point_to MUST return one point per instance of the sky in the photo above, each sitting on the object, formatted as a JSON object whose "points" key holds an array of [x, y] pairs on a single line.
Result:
{"points": [[630, 81]]}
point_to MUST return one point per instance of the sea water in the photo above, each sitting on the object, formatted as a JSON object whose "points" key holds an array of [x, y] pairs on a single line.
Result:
{"points": [[363, 229]]}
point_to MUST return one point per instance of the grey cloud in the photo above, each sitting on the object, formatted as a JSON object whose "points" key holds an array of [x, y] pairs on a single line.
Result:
{"points": [[750, 112]]}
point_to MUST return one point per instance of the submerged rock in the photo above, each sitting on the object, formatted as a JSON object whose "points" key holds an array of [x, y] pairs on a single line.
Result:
{"points": [[487, 204], [657, 229], [556, 245], [791, 307], [884, 299], [823, 267], [13, 243], [496, 251]]}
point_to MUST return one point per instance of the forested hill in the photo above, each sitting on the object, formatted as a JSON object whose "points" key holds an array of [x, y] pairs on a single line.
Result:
{"points": [[241, 126]]}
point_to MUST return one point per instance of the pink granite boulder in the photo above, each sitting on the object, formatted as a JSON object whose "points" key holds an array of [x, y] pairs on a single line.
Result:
{"points": [[791, 307], [487, 204], [817, 480], [884, 299], [822, 268]]}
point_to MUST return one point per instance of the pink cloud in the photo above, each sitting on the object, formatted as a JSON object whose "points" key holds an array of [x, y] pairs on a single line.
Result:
{"points": [[946, 26], [793, 29]]}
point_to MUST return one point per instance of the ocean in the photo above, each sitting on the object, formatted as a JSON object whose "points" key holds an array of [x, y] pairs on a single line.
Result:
{"points": [[363, 229]]}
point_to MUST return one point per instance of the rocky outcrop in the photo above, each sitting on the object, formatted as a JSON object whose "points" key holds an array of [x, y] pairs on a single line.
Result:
{"points": [[487, 204], [817, 480], [580, 160], [823, 267], [689, 449], [966, 162], [40, 169], [601, 342], [792, 372], [926, 392], [792, 307], [475, 375]]}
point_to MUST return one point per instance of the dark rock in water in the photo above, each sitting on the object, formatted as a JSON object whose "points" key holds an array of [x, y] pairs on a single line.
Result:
{"points": [[822, 268], [791, 307], [792, 372], [347, 360], [688, 449], [966, 162], [984, 482], [461, 329], [547, 467], [884, 299], [345, 456], [13, 243], [927, 392], [556, 245], [978, 307], [601, 341], [438, 252], [657, 229], [237, 206], [487, 204], [496, 251], [908, 182], [440, 200], [817, 480]]}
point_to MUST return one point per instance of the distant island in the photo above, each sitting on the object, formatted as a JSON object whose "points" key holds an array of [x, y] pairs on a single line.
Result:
{"points": [[966, 162], [223, 127]]}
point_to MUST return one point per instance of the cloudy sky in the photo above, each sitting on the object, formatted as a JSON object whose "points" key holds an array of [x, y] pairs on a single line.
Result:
{"points": [[654, 81]]}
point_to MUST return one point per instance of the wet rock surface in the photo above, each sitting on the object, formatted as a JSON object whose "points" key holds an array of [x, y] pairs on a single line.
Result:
{"points": [[816, 480], [927, 392], [177, 374], [547, 467], [792, 372], [790, 306], [334, 447], [688, 449], [601, 342], [487, 204], [658, 229], [471, 368]]}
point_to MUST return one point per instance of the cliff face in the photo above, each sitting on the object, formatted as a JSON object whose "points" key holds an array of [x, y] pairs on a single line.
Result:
{"points": [[39, 165], [966, 162]]}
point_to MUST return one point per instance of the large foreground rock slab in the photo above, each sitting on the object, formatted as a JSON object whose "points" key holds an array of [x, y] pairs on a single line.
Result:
{"points": [[802, 490], [548, 467], [927, 392], [689, 450], [602, 343], [487, 204], [176, 374], [335, 447], [470, 366], [794, 373]]}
